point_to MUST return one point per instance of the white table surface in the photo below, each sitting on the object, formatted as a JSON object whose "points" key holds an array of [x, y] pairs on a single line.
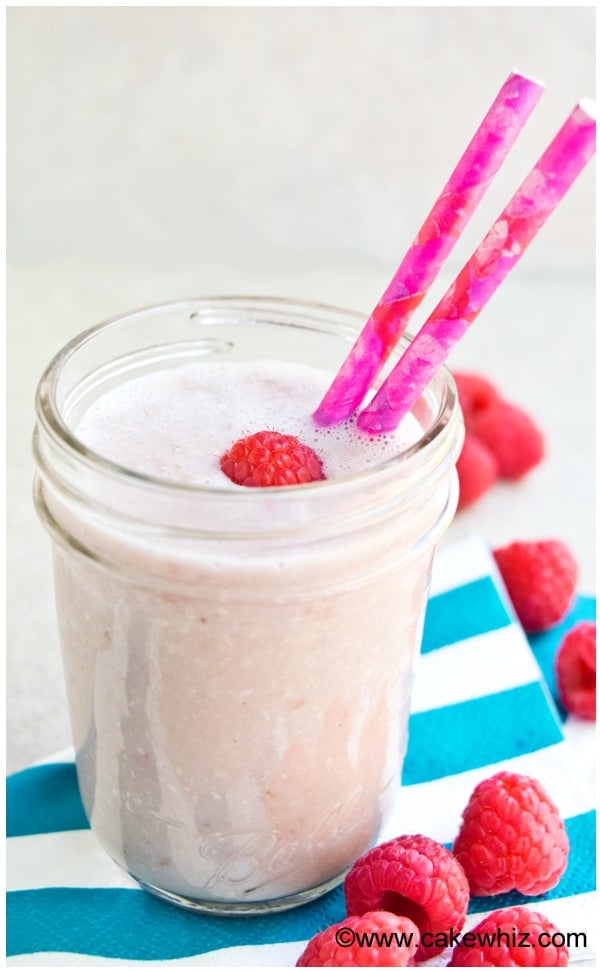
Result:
{"points": [[535, 340], [157, 153]]}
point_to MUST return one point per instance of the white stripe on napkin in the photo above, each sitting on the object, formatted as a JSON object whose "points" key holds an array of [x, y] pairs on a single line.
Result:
{"points": [[459, 563], [249, 956], [481, 665], [417, 808], [572, 914], [73, 858]]}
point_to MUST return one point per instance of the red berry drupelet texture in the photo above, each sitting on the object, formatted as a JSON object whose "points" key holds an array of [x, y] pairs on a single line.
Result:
{"points": [[540, 578], [511, 435], [576, 670], [513, 938], [502, 441], [475, 393], [377, 940], [511, 837], [271, 459], [414, 877], [477, 471]]}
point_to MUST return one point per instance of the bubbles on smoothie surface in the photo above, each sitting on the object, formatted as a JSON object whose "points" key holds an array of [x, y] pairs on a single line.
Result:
{"points": [[175, 423]]}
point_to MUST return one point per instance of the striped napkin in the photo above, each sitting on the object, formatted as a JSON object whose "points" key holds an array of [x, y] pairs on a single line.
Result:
{"points": [[480, 703]]}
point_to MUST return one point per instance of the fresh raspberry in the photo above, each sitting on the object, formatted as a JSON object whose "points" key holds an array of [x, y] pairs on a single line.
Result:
{"points": [[414, 877], [375, 940], [474, 393], [540, 578], [512, 938], [511, 837], [576, 670], [271, 459], [511, 435], [477, 470]]}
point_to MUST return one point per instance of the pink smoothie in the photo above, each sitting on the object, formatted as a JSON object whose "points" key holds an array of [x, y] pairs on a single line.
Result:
{"points": [[239, 704], [176, 423]]}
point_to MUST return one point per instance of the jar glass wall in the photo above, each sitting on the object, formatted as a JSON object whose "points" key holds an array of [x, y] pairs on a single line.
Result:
{"points": [[238, 662]]}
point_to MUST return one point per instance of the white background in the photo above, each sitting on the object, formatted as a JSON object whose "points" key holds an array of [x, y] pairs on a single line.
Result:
{"points": [[156, 153]]}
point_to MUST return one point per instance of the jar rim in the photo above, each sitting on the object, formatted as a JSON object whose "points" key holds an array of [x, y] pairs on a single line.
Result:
{"points": [[50, 418]]}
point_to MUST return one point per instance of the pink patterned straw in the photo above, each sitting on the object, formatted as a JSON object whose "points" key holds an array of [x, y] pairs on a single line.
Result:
{"points": [[450, 214], [500, 249]]}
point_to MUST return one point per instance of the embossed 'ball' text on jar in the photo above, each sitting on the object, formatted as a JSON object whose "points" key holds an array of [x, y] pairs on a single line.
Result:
{"points": [[238, 661]]}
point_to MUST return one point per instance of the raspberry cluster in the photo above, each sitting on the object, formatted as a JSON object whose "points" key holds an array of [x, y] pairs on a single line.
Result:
{"points": [[540, 578], [414, 876], [407, 899], [501, 440]]}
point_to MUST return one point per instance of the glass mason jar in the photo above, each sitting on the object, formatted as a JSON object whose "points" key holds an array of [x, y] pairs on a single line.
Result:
{"points": [[238, 662]]}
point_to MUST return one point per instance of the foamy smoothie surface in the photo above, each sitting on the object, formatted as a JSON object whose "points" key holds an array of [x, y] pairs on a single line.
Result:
{"points": [[176, 423]]}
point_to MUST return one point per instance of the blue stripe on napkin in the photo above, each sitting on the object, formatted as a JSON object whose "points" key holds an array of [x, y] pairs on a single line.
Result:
{"points": [[44, 799], [478, 732], [133, 925], [442, 742], [463, 612]]}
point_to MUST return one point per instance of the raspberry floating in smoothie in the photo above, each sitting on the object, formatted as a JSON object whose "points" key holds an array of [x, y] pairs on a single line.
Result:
{"points": [[271, 459]]}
